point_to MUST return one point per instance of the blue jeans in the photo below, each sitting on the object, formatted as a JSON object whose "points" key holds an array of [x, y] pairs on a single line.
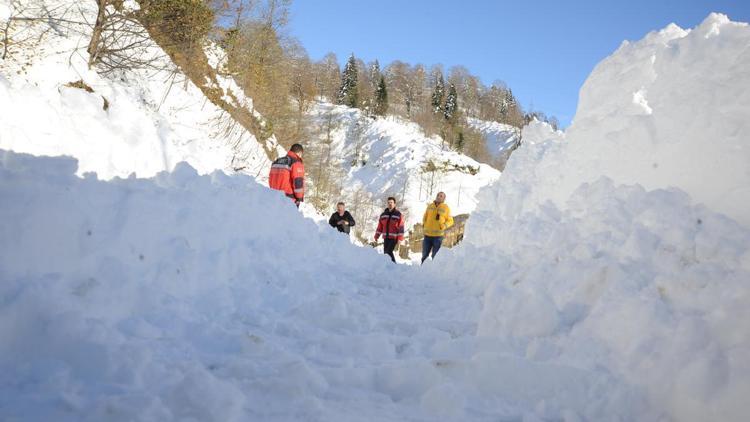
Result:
{"points": [[431, 243]]}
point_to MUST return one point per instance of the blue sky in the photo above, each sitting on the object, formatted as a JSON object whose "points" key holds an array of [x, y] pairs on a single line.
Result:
{"points": [[543, 50]]}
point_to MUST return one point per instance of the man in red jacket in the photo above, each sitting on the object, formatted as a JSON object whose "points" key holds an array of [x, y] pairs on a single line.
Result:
{"points": [[288, 175], [391, 227]]}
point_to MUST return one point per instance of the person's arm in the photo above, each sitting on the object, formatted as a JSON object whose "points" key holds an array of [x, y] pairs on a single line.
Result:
{"points": [[298, 180], [350, 219], [448, 219], [401, 228], [424, 217], [379, 230], [331, 220]]}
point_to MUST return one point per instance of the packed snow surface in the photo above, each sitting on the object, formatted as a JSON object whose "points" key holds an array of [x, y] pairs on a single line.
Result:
{"points": [[585, 289]]}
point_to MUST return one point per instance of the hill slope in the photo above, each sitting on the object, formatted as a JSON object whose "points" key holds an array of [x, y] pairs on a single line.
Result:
{"points": [[138, 121]]}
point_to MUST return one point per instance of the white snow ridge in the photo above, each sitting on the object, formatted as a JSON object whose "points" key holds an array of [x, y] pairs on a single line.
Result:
{"points": [[604, 276]]}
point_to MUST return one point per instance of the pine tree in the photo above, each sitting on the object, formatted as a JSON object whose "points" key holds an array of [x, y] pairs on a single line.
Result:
{"points": [[510, 98], [438, 93], [381, 98], [503, 108], [451, 104], [375, 76], [348, 94]]}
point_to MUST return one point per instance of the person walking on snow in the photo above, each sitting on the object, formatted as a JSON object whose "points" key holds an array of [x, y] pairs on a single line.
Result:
{"points": [[288, 175], [391, 227], [341, 219], [437, 218]]}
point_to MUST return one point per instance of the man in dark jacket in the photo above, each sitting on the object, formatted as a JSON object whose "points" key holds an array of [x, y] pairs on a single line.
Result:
{"points": [[288, 175], [391, 227], [341, 219]]}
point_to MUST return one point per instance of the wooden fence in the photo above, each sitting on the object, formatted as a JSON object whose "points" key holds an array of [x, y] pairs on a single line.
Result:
{"points": [[453, 236]]}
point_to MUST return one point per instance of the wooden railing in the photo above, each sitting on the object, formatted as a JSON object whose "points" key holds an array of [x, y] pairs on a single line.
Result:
{"points": [[453, 236]]}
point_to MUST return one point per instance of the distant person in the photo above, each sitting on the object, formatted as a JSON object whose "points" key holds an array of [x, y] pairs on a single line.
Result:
{"points": [[391, 227], [341, 219], [437, 218], [288, 175]]}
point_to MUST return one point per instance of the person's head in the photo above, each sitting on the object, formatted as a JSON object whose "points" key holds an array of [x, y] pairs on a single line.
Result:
{"points": [[297, 149], [340, 207], [440, 198], [391, 202]]}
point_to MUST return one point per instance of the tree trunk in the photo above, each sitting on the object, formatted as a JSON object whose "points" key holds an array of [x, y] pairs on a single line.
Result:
{"points": [[96, 36]]}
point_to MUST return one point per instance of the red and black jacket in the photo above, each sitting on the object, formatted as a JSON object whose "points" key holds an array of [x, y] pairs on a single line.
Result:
{"points": [[288, 175], [391, 225]]}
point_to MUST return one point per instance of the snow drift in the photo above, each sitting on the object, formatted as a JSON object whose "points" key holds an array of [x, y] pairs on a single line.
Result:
{"points": [[624, 244], [208, 298], [670, 110]]}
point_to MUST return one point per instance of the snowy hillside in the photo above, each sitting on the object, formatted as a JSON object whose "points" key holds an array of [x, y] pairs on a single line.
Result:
{"points": [[138, 121], [393, 157], [501, 138]]}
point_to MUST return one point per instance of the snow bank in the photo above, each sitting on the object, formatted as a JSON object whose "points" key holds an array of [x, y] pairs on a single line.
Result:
{"points": [[625, 244], [670, 110], [172, 298], [208, 298]]}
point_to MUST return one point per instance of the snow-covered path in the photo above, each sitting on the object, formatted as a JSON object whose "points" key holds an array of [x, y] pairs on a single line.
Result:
{"points": [[186, 303], [218, 327]]}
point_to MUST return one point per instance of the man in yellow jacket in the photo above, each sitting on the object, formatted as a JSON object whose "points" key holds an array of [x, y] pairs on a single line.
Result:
{"points": [[437, 218]]}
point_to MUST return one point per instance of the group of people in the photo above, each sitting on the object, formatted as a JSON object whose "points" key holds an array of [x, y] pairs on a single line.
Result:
{"points": [[288, 175]]}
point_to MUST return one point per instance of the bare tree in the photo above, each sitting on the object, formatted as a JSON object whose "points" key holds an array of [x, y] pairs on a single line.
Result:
{"points": [[21, 29], [328, 77], [119, 41]]}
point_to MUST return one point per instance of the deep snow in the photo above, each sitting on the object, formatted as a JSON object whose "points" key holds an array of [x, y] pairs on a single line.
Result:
{"points": [[208, 298], [606, 246], [670, 110], [585, 290]]}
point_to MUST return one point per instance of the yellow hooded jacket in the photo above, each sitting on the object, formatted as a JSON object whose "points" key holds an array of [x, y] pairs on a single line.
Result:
{"points": [[437, 218]]}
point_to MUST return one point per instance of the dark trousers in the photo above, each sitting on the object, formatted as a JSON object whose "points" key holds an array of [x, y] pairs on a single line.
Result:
{"points": [[431, 243], [388, 246]]}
